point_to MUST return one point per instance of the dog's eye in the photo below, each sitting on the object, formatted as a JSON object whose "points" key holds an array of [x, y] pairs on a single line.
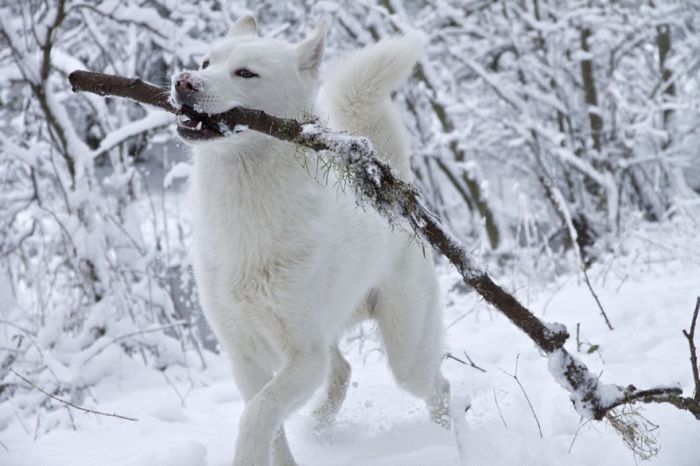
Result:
{"points": [[205, 64], [244, 73]]}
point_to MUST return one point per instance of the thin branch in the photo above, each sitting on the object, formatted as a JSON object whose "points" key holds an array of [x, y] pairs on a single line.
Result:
{"points": [[693, 351], [99, 413], [527, 398], [117, 20], [498, 407], [595, 296], [177, 392], [578, 336], [573, 440], [670, 395], [18, 243], [129, 335], [470, 363]]}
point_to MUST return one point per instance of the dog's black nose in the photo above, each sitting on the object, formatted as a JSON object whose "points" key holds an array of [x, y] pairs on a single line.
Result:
{"points": [[186, 87]]}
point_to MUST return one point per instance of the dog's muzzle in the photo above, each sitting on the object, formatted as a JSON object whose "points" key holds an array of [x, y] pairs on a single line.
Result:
{"points": [[186, 88]]}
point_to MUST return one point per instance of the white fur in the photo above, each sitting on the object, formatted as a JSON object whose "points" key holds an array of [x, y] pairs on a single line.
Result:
{"points": [[284, 263]]}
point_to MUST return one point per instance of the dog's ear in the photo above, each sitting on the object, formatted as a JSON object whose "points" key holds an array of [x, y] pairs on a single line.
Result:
{"points": [[311, 49], [245, 26]]}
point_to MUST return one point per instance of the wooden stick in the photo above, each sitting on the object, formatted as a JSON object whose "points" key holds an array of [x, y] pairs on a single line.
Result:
{"points": [[396, 200]]}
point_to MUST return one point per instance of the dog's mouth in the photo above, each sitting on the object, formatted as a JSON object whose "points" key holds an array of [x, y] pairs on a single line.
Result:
{"points": [[191, 129]]}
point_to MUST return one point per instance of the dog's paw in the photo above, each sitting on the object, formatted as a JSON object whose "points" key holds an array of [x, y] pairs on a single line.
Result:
{"points": [[248, 457], [250, 462], [283, 460]]}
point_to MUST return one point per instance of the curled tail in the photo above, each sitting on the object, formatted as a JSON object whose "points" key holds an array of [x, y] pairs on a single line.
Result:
{"points": [[357, 95]]}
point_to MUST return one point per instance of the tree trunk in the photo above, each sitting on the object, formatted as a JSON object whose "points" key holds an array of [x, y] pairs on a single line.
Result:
{"points": [[663, 41], [591, 95]]}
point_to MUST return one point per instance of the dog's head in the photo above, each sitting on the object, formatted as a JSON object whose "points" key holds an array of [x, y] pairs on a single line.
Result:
{"points": [[245, 70]]}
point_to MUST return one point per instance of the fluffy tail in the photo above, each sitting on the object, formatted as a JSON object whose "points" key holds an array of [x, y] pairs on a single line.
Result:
{"points": [[357, 95]]}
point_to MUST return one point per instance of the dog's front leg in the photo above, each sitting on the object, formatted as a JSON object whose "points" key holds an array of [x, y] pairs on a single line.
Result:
{"points": [[250, 378], [265, 413]]}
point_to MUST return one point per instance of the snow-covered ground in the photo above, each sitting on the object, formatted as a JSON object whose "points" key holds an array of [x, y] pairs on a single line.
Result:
{"points": [[190, 417]]}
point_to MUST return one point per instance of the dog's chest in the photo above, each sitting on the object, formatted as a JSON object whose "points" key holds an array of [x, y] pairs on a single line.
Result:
{"points": [[253, 223]]}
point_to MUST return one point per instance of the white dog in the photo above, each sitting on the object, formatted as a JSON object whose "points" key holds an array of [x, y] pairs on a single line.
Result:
{"points": [[285, 263]]}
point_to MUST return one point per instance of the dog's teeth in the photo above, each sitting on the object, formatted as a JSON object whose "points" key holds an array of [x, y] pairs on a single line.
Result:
{"points": [[199, 125]]}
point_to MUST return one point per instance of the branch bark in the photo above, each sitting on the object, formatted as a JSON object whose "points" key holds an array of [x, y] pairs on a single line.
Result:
{"points": [[376, 184]]}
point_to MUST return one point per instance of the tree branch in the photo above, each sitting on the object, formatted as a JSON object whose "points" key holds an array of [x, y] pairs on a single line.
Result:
{"points": [[693, 351], [68, 403], [376, 184]]}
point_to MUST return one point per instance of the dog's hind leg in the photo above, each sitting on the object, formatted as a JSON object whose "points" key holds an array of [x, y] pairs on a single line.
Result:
{"points": [[410, 322], [336, 389]]}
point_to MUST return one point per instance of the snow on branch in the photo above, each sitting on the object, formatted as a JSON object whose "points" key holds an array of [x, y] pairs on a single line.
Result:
{"points": [[375, 183]]}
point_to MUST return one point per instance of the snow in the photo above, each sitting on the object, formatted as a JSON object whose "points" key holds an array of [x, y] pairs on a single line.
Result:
{"points": [[557, 367], [179, 170], [555, 328], [152, 120], [486, 103], [189, 417]]}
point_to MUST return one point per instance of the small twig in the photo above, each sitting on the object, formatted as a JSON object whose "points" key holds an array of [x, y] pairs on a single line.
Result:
{"points": [[573, 440], [70, 416], [693, 351], [578, 337], [132, 334], [37, 424], [462, 361], [595, 296], [471, 363], [451, 356], [592, 348], [515, 377], [177, 392], [18, 417], [99, 413], [498, 407]]}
